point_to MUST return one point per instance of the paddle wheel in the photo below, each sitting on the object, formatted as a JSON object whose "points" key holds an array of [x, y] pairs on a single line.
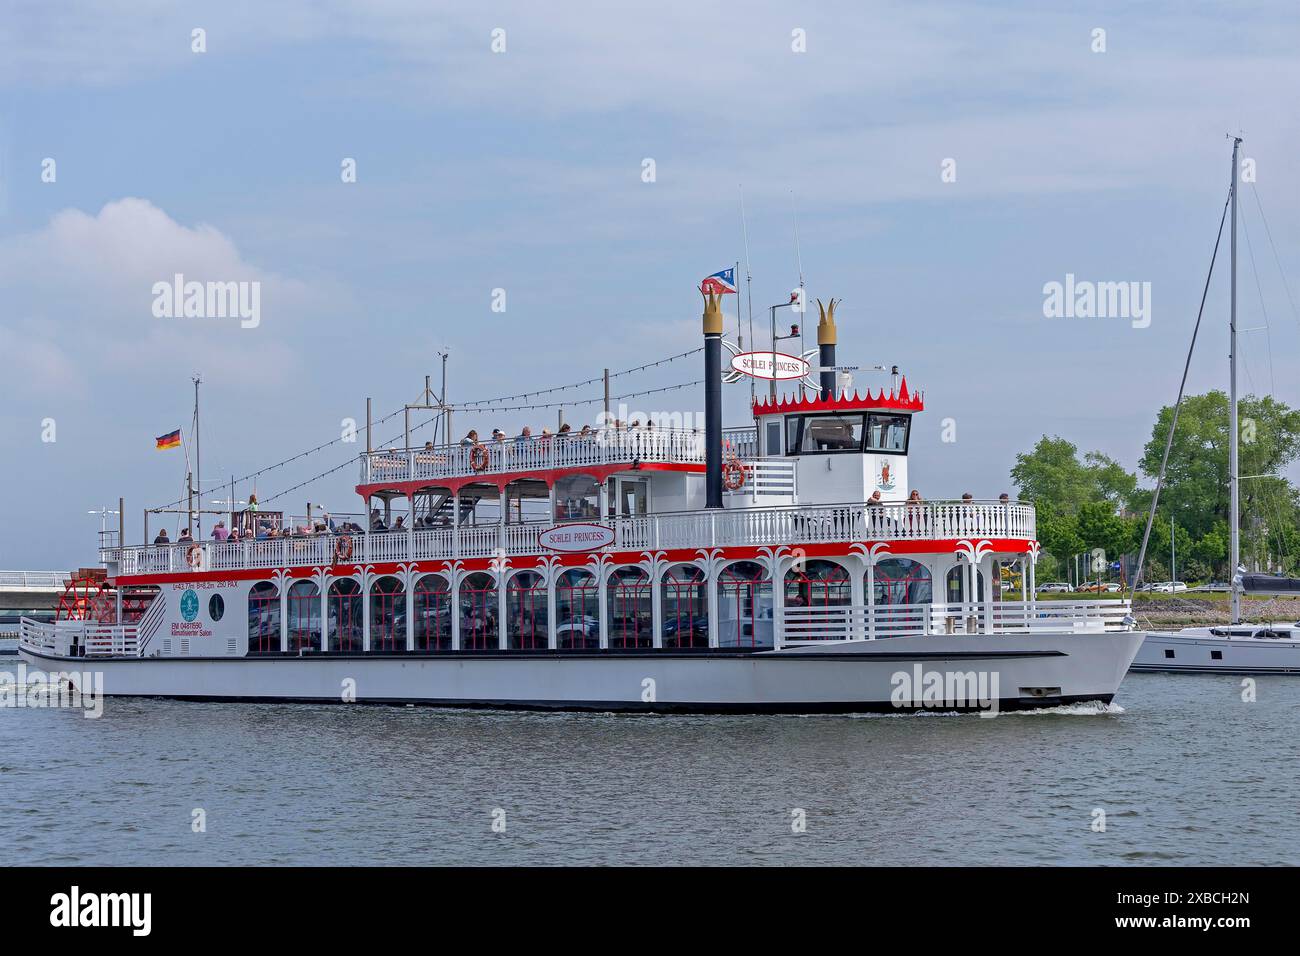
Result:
{"points": [[85, 596]]}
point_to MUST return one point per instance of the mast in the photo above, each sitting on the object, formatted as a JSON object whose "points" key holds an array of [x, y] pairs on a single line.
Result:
{"points": [[198, 467], [1234, 479]]}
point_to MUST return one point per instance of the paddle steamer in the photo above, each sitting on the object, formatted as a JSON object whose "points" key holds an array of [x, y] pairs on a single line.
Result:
{"points": [[778, 567]]}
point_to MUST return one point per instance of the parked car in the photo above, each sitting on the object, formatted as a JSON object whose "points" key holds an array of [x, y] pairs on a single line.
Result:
{"points": [[1055, 587], [1169, 587]]}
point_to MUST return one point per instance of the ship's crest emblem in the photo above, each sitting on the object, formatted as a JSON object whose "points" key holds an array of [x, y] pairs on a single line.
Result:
{"points": [[885, 482]]}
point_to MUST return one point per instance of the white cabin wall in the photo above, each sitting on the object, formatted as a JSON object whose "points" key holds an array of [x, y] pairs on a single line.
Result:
{"points": [[676, 491]]}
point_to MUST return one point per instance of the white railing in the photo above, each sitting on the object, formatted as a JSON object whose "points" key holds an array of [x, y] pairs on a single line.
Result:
{"points": [[95, 640], [767, 478], [793, 525], [36, 580], [858, 622], [742, 442], [534, 454]]}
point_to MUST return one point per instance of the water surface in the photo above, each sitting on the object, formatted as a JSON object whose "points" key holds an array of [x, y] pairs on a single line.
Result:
{"points": [[1185, 771]]}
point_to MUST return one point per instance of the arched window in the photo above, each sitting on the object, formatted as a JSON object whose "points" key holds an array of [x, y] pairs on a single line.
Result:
{"points": [[955, 585], [818, 584], [577, 609], [631, 619], [432, 613], [304, 616], [264, 618], [526, 612], [744, 606], [344, 616], [685, 607], [387, 616], [902, 581], [478, 613]]}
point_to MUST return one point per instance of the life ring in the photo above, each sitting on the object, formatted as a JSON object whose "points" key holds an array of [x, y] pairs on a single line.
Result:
{"points": [[194, 556], [478, 457], [733, 474], [343, 548]]}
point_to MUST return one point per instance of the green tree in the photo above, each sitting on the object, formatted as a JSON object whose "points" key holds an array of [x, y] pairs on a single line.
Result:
{"points": [[1053, 472]]}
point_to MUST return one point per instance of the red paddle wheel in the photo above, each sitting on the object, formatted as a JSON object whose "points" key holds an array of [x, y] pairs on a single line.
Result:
{"points": [[86, 596]]}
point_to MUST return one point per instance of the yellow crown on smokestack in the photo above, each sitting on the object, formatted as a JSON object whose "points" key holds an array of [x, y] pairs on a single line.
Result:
{"points": [[712, 313], [826, 324]]}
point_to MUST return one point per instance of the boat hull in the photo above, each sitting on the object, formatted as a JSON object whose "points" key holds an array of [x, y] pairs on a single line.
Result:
{"points": [[1196, 654], [1017, 672]]}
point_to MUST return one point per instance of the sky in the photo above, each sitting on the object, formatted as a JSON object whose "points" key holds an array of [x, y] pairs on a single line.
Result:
{"points": [[943, 163]]}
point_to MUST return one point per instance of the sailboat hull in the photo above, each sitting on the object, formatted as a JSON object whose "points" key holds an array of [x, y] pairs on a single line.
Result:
{"points": [[1199, 652]]}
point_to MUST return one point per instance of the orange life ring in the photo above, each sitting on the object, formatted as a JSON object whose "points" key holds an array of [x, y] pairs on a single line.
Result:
{"points": [[194, 556], [478, 457], [343, 548], [733, 474]]}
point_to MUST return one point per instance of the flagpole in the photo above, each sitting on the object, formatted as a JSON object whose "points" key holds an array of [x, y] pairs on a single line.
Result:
{"points": [[749, 299]]}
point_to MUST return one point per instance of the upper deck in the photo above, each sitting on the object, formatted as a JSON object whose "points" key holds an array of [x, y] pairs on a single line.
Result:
{"points": [[602, 448], [930, 521]]}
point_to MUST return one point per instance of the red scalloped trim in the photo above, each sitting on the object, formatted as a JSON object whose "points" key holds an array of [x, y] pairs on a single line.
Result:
{"points": [[903, 400]]}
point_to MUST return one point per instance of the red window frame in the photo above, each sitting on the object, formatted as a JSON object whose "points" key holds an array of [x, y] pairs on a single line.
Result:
{"points": [[526, 612], [483, 630], [629, 625]]}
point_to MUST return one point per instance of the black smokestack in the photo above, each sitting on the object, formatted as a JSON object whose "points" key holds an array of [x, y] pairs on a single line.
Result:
{"points": [[826, 346], [713, 400]]}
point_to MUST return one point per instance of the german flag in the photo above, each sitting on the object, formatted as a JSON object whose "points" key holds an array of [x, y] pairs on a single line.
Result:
{"points": [[170, 440]]}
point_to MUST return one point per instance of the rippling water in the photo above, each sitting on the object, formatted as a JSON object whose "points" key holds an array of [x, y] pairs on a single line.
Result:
{"points": [[1184, 770]]}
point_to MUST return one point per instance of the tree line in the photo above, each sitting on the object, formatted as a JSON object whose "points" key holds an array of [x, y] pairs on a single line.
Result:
{"points": [[1091, 502]]}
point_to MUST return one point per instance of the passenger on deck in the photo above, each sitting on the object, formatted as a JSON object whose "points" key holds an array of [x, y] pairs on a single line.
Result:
{"points": [[915, 497], [586, 432], [234, 534], [471, 437], [376, 521], [219, 532], [524, 438], [1004, 498], [162, 537], [185, 536], [565, 431], [400, 523], [874, 500]]}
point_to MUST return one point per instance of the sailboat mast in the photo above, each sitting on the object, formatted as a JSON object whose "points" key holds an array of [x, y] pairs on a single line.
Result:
{"points": [[1234, 481]]}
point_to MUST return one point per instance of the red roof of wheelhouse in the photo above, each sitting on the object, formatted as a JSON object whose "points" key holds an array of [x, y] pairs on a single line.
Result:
{"points": [[901, 400]]}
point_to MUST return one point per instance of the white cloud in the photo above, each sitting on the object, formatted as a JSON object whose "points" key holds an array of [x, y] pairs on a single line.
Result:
{"points": [[80, 297]]}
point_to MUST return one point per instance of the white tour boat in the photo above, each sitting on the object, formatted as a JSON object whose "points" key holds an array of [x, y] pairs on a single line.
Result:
{"points": [[633, 569]]}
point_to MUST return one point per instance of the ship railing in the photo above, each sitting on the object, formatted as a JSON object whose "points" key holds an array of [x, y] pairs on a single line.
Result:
{"points": [[537, 453], [79, 638], [819, 624], [742, 442], [752, 526], [765, 478]]}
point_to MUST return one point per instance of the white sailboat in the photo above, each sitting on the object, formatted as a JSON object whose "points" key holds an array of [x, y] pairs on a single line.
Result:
{"points": [[1240, 647]]}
